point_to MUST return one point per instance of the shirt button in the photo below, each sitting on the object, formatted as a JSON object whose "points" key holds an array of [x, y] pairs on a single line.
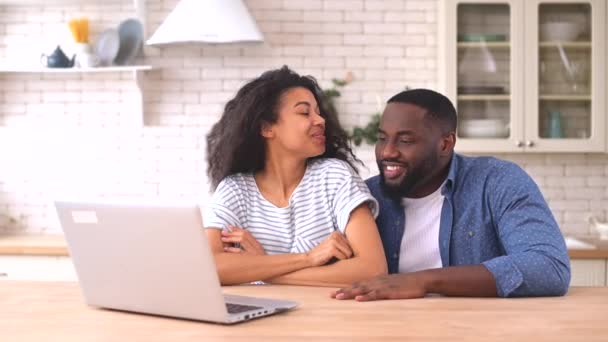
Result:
{"points": [[395, 255]]}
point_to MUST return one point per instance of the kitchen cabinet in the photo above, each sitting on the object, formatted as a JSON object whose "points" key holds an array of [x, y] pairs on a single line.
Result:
{"points": [[589, 272], [38, 267], [590, 265], [35, 257], [525, 76]]}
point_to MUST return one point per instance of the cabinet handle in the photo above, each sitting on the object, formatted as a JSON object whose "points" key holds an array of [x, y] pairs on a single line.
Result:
{"points": [[518, 143], [529, 143]]}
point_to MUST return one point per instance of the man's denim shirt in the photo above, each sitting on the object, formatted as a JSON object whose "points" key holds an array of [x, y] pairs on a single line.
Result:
{"points": [[493, 214]]}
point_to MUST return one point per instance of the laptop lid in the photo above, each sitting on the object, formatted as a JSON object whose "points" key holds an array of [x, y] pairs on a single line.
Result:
{"points": [[143, 258]]}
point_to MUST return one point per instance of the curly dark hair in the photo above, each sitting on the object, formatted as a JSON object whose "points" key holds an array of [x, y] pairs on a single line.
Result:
{"points": [[235, 143]]}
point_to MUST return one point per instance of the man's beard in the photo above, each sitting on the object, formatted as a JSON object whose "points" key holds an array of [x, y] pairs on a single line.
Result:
{"points": [[413, 177]]}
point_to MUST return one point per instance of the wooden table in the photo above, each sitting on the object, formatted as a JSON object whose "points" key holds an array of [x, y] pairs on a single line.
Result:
{"points": [[47, 311]]}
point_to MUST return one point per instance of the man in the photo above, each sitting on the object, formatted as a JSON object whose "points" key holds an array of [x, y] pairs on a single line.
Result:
{"points": [[455, 225]]}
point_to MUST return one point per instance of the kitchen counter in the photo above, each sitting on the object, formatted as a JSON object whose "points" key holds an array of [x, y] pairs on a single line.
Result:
{"points": [[47, 245], [36, 311], [600, 252], [55, 245]]}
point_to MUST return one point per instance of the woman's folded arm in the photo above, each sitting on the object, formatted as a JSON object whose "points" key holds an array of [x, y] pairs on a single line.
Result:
{"points": [[368, 258]]}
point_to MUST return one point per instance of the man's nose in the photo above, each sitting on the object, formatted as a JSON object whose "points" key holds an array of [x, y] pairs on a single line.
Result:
{"points": [[390, 151]]}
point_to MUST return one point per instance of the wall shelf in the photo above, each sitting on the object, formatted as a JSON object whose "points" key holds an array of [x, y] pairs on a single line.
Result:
{"points": [[566, 45], [475, 97], [57, 2], [560, 97], [496, 45]]}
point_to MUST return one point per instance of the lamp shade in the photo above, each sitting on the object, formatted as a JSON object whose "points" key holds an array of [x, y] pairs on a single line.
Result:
{"points": [[207, 21]]}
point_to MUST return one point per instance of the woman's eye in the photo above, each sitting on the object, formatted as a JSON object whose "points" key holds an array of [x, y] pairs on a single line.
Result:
{"points": [[304, 113]]}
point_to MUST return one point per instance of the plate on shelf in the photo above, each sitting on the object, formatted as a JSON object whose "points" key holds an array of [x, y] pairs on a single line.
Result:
{"points": [[131, 34], [483, 90], [560, 31], [483, 128], [107, 46], [479, 37]]}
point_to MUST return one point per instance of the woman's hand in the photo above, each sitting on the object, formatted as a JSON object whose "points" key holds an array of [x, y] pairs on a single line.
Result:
{"points": [[335, 245], [244, 242]]}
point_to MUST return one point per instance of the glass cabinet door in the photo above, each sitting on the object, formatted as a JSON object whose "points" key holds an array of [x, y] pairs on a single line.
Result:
{"points": [[484, 84], [565, 76]]}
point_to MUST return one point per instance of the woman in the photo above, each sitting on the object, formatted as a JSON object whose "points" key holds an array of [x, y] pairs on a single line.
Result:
{"points": [[288, 207]]}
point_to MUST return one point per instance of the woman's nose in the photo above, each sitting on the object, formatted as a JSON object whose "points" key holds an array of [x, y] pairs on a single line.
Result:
{"points": [[318, 120]]}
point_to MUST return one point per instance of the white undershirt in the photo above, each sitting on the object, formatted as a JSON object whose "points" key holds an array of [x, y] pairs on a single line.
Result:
{"points": [[420, 243]]}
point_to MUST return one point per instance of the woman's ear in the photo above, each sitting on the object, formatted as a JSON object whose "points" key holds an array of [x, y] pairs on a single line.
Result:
{"points": [[266, 130]]}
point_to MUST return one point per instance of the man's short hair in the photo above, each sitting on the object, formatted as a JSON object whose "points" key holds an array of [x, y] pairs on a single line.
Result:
{"points": [[438, 107]]}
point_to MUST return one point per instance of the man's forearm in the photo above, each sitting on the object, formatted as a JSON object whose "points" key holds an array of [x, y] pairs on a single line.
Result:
{"points": [[460, 281]]}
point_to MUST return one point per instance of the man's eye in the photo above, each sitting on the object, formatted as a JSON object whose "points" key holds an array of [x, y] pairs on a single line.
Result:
{"points": [[406, 141], [381, 138]]}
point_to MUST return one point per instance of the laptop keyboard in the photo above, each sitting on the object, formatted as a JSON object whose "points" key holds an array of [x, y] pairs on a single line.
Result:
{"points": [[238, 308]]}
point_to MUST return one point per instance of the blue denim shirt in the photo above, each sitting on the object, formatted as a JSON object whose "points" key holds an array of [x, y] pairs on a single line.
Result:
{"points": [[493, 214]]}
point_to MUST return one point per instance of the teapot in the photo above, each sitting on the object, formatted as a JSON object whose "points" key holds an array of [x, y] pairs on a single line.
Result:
{"points": [[57, 59]]}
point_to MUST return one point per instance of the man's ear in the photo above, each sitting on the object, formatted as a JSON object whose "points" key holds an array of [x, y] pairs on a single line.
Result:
{"points": [[266, 130], [447, 144]]}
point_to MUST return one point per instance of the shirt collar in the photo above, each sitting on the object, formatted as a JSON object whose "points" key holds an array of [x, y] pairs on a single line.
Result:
{"points": [[448, 188]]}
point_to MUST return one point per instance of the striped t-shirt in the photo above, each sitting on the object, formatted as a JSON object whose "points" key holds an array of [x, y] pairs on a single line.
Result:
{"points": [[321, 204]]}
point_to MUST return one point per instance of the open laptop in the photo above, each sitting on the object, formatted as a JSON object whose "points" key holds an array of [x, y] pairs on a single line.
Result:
{"points": [[152, 259]]}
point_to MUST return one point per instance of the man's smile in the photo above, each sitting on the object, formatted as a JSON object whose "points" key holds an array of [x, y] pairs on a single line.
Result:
{"points": [[392, 170]]}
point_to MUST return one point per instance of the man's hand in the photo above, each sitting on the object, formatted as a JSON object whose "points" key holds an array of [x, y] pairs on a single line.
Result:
{"points": [[393, 286], [335, 245], [247, 243]]}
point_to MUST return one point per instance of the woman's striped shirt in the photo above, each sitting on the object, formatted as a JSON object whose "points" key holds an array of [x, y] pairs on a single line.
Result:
{"points": [[321, 204]]}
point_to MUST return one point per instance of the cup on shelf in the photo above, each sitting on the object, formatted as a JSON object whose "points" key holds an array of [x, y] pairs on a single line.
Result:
{"points": [[576, 73], [85, 58], [544, 77], [554, 129]]}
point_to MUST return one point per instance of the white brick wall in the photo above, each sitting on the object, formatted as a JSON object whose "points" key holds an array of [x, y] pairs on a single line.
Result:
{"points": [[73, 135]]}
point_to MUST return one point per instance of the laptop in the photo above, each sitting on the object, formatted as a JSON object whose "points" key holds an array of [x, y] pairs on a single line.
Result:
{"points": [[153, 259]]}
